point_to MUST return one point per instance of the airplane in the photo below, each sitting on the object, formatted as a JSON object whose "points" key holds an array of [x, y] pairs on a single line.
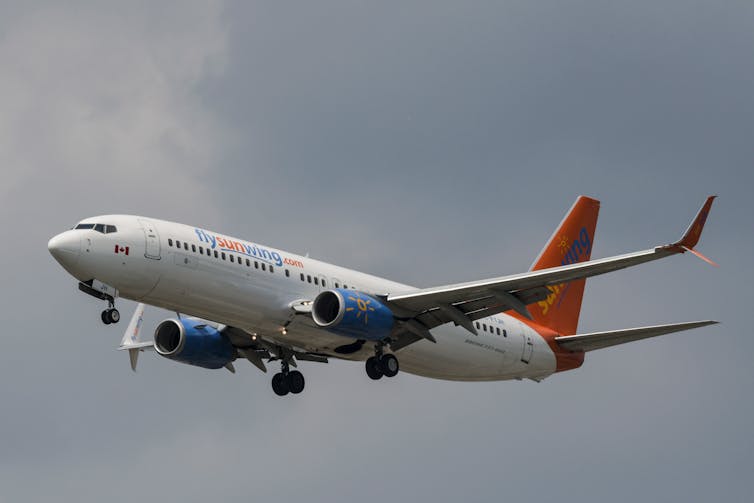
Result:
{"points": [[237, 299]]}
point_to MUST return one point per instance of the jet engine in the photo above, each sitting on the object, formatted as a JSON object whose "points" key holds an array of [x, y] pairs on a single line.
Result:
{"points": [[353, 314], [194, 343]]}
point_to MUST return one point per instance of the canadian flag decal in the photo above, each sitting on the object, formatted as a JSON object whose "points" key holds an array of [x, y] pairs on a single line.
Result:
{"points": [[121, 249]]}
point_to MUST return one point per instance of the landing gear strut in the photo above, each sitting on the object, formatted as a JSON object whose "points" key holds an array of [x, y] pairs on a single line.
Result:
{"points": [[381, 364], [288, 381]]}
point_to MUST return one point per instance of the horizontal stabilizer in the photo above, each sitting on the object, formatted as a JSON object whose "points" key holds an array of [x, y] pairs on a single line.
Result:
{"points": [[599, 340]]}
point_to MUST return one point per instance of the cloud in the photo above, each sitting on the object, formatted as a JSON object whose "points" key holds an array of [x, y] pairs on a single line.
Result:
{"points": [[429, 143], [102, 102]]}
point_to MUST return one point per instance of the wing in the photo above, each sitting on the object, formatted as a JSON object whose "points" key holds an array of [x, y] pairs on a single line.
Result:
{"points": [[257, 348], [599, 340], [254, 348], [464, 303]]}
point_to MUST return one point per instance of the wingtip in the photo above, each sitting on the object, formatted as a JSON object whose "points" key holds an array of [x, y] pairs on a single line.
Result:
{"points": [[704, 323], [691, 237]]}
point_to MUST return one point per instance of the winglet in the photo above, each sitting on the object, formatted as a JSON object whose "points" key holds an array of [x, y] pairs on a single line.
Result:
{"points": [[693, 233], [691, 236]]}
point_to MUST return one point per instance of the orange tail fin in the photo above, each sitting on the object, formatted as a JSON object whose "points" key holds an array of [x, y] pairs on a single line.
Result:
{"points": [[570, 243]]}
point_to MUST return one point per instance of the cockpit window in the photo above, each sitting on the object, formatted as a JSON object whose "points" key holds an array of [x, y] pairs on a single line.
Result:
{"points": [[103, 228]]}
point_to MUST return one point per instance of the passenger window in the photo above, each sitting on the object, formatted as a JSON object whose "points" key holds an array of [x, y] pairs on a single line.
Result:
{"points": [[201, 250], [484, 327], [477, 325], [193, 248], [272, 269], [248, 263], [215, 253], [256, 265], [345, 286], [223, 255], [170, 242], [308, 278], [316, 281], [230, 257], [505, 334], [302, 276], [497, 329], [336, 285], [185, 246], [264, 267], [323, 284], [287, 273], [177, 244]]}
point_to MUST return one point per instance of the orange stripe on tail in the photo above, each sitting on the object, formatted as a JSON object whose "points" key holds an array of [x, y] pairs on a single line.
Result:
{"points": [[558, 314], [571, 243]]}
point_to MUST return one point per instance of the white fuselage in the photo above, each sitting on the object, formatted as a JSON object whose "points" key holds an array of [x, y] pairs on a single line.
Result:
{"points": [[189, 270]]}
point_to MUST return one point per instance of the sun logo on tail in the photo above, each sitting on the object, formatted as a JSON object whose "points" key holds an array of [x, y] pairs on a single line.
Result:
{"points": [[563, 244]]}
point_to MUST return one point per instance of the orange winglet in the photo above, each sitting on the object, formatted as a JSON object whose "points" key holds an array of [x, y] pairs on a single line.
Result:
{"points": [[691, 236]]}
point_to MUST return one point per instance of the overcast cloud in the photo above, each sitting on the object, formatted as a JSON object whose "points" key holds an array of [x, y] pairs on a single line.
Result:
{"points": [[428, 142]]}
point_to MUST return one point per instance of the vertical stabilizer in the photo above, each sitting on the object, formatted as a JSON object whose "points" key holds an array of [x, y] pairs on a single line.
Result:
{"points": [[570, 243]]}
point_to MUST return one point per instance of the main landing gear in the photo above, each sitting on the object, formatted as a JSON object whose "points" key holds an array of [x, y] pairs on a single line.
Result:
{"points": [[288, 381], [381, 364]]}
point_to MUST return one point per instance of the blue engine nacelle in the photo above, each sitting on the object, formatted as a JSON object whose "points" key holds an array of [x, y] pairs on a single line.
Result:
{"points": [[353, 314], [194, 343]]}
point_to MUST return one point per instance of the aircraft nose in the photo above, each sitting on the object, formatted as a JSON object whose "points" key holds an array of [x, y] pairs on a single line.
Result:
{"points": [[66, 248]]}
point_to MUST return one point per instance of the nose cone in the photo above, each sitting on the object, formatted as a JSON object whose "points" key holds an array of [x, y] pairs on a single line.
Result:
{"points": [[66, 248]]}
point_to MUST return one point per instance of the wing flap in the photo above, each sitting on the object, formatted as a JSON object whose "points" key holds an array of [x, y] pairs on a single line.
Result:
{"points": [[600, 340]]}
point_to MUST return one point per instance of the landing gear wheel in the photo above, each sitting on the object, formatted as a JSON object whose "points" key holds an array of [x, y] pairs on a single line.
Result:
{"points": [[374, 370], [280, 384], [389, 365], [110, 316], [295, 382]]}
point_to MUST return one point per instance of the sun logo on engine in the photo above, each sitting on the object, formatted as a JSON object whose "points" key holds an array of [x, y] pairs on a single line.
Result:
{"points": [[363, 308]]}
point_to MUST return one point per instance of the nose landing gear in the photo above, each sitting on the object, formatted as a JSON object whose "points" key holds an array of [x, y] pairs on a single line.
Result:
{"points": [[102, 291]]}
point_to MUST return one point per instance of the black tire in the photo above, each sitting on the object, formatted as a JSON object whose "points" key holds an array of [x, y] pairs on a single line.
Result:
{"points": [[296, 382], [106, 317], [389, 365], [374, 371], [280, 384], [114, 315]]}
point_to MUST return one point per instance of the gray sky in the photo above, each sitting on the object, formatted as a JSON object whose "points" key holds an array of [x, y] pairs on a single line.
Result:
{"points": [[428, 142]]}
